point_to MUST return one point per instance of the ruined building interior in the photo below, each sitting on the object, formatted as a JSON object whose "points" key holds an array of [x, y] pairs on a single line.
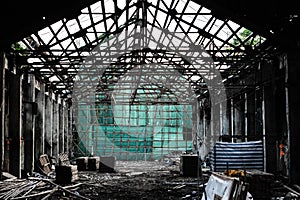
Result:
{"points": [[150, 99]]}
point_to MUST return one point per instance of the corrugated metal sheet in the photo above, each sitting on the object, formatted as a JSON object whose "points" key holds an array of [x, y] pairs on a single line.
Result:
{"points": [[245, 155]]}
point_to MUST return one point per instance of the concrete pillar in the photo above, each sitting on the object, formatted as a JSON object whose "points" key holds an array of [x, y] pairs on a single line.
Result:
{"points": [[29, 125], [293, 86], [63, 121], [55, 129], [221, 119], [70, 130], [65, 127], [238, 118], [216, 121], [245, 117], [60, 127], [2, 110], [225, 118], [48, 125], [40, 121], [250, 114], [15, 124], [232, 120], [270, 131]]}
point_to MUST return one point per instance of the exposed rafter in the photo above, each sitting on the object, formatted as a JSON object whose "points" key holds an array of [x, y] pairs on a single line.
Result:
{"points": [[56, 52]]}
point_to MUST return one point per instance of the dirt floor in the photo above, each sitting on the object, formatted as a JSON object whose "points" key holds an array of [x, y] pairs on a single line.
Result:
{"points": [[139, 180], [132, 180]]}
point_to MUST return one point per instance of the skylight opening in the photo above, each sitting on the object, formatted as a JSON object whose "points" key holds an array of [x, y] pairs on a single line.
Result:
{"points": [[65, 39], [96, 7], [45, 34], [66, 43], [184, 26], [91, 36], [180, 5], [109, 6], [73, 26], [62, 34], [193, 7], [224, 33], [85, 20], [122, 19], [164, 4], [193, 36], [97, 17], [204, 21], [172, 25], [188, 18], [100, 28], [56, 26]]}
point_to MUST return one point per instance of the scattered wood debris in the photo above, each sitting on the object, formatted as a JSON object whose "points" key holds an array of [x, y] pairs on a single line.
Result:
{"points": [[141, 180]]}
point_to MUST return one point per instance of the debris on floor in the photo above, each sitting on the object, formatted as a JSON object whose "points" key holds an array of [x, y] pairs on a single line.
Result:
{"points": [[149, 180]]}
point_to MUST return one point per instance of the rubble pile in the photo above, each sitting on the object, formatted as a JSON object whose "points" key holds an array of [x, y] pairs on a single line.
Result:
{"points": [[159, 179]]}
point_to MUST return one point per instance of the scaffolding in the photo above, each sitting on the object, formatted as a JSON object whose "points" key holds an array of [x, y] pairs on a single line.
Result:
{"points": [[144, 122]]}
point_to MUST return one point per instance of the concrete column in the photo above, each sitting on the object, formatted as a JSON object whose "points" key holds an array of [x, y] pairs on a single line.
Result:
{"points": [[55, 129], [264, 131], [246, 117], [40, 121], [269, 115], [231, 120], [48, 125], [239, 121], [15, 124], [70, 130], [65, 127], [43, 110], [29, 125], [2, 110], [250, 115], [221, 119], [293, 87], [60, 127]]}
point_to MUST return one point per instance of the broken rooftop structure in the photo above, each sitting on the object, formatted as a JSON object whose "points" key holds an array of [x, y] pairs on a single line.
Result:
{"points": [[105, 91]]}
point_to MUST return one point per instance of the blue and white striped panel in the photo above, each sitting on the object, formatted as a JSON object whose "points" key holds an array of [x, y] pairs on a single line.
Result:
{"points": [[245, 155]]}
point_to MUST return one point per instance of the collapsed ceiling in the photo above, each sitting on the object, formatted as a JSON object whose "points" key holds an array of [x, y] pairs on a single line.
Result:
{"points": [[57, 46]]}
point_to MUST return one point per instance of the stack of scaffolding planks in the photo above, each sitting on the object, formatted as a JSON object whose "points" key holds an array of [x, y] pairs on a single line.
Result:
{"points": [[64, 159], [45, 164], [81, 163], [65, 172], [93, 163]]}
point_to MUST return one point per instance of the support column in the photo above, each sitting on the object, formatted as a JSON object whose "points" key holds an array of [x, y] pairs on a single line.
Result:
{"points": [[66, 127], [231, 120], [293, 87], [246, 116], [250, 115], [238, 119], [70, 131], [55, 129], [221, 119], [48, 125], [30, 109], [2, 111], [63, 126], [60, 126], [15, 124], [264, 130], [43, 110], [40, 121]]}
